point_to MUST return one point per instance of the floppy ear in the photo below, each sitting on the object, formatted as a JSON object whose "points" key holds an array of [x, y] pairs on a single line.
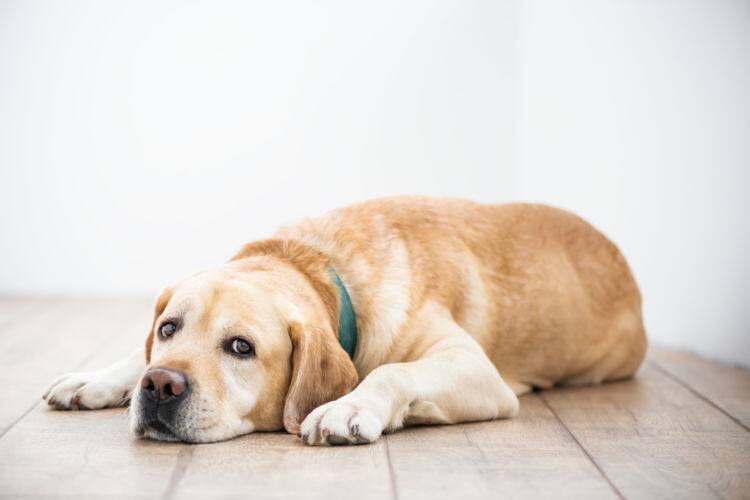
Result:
{"points": [[321, 372], [161, 304]]}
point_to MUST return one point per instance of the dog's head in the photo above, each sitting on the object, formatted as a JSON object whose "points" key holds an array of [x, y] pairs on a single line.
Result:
{"points": [[249, 346]]}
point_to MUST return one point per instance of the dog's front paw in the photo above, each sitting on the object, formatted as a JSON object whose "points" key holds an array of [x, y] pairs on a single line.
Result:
{"points": [[341, 422], [86, 391]]}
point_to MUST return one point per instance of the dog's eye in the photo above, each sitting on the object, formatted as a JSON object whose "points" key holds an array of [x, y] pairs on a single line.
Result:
{"points": [[167, 329], [241, 347]]}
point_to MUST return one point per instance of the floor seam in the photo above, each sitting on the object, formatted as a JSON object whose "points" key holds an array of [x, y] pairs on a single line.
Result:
{"points": [[391, 470], [583, 449], [696, 393], [184, 457], [13, 424], [474, 445], [83, 362]]}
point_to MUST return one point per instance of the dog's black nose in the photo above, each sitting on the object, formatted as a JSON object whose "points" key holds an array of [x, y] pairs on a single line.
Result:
{"points": [[163, 385]]}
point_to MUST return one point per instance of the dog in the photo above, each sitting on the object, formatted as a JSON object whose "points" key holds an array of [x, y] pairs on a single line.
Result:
{"points": [[392, 312]]}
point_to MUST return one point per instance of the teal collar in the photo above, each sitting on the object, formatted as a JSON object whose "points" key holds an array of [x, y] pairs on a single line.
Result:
{"points": [[347, 321]]}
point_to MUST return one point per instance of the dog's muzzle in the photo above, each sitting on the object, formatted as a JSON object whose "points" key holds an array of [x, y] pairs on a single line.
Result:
{"points": [[162, 392]]}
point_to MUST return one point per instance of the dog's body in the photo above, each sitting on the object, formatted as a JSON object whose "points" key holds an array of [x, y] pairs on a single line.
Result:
{"points": [[460, 307]]}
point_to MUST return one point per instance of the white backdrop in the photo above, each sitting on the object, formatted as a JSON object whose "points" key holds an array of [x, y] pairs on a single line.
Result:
{"points": [[142, 141], [636, 114]]}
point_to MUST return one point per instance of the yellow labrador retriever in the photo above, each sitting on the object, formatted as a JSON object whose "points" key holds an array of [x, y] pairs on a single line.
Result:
{"points": [[375, 316]]}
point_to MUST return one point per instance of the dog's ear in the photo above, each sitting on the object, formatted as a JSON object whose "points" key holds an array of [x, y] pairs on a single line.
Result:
{"points": [[321, 372], [161, 304]]}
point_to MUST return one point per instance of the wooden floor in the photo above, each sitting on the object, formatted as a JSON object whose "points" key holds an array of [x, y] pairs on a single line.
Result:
{"points": [[681, 429]]}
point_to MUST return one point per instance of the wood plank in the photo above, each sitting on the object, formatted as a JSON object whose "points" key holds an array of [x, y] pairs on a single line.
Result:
{"points": [[531, 456], [88, 453], [278, 465], [82, 455], [13, 307], [57, 337], [664, 435], [726, 386], [653, 438]]}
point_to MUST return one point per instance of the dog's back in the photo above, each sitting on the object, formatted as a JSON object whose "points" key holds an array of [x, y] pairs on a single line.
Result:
{"points": [[549, 298]]}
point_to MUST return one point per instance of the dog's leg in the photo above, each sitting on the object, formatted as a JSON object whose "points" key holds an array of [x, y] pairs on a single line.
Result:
{"points": [[452, 381], [106, 388]]}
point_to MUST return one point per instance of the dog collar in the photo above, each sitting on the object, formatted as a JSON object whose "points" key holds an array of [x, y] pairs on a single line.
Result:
{"points": [[347, 321]]}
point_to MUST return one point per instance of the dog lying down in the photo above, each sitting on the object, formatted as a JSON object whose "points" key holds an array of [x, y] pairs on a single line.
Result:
{"points": [[383, 314]]}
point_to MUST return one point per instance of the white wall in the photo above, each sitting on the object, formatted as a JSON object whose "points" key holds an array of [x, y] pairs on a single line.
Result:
{"points": [[636, 114], [142, 141]]}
